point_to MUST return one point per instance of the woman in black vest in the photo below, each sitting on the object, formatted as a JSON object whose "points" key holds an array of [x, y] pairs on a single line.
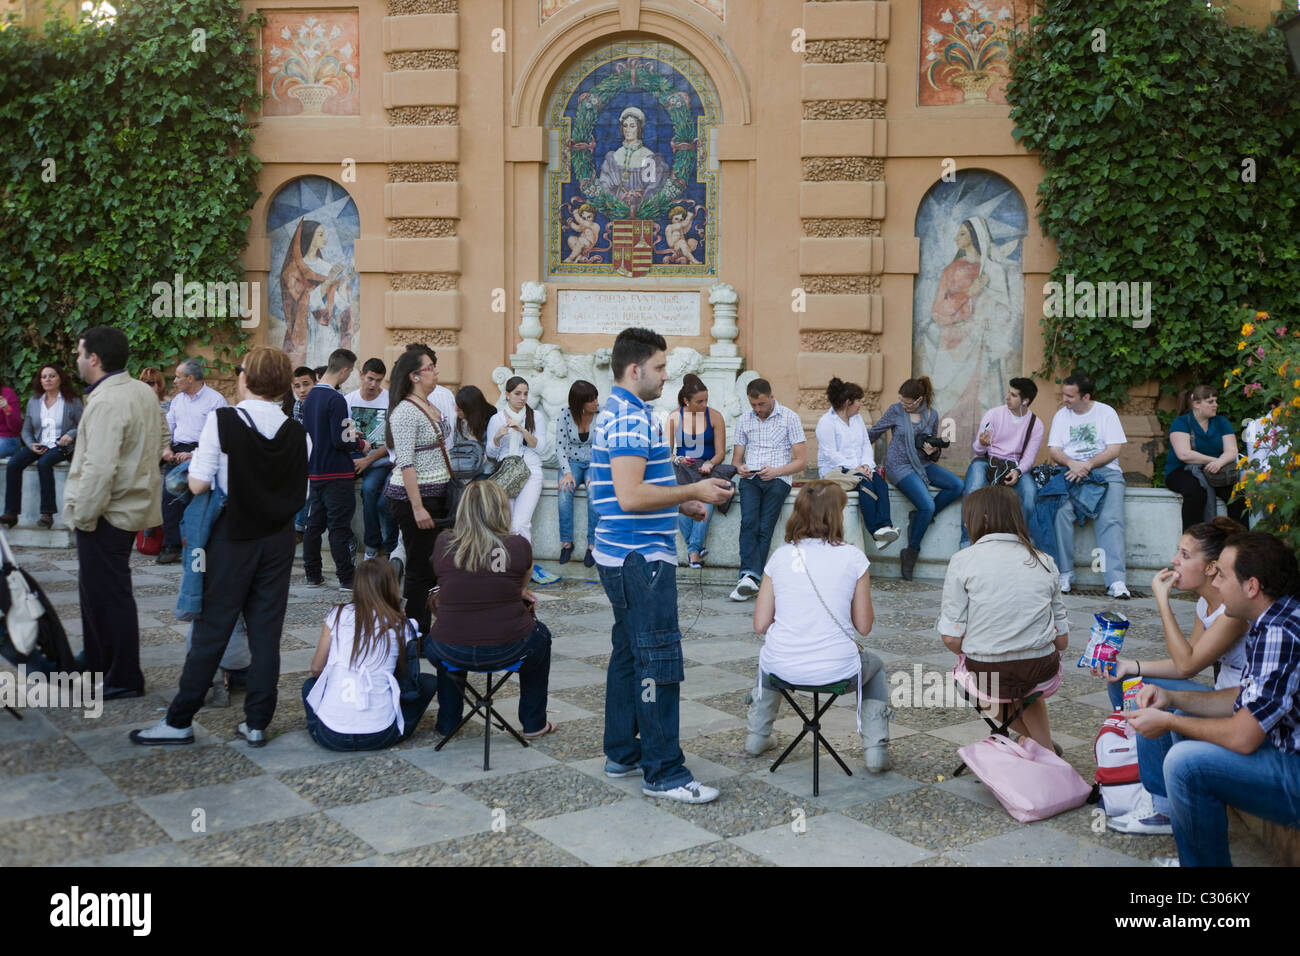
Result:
{"points": [[257, 456]]}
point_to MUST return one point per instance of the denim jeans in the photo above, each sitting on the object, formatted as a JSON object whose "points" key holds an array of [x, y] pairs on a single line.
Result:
{"points": [[1109, 528], [874, 512], [534, 675], [977, 477], [10, 445], [45, 463], [1202, 778], [1151, 752], [914, 489], [333, 503], [565, 499], [694, 532], [412, 711], [380, 528], [760, 506], [643, 682]]}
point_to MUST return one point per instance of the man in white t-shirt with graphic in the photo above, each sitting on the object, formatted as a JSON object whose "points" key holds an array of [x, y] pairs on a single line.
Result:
{"points": [[368, 409], [1085, 439]]}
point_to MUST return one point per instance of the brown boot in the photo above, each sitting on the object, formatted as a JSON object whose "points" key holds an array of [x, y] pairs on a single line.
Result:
{"points": [[907, 559]]}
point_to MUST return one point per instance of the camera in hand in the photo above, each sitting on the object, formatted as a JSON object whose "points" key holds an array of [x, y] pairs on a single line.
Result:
{"points": [[933, 441]]}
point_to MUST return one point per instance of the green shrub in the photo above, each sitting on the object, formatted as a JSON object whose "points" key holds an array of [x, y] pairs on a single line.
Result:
{"points": [[129, 161]]}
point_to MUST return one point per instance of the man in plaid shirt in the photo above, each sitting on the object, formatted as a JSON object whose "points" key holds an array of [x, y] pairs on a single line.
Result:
{"points": [[770, 440], [1239, 747]]}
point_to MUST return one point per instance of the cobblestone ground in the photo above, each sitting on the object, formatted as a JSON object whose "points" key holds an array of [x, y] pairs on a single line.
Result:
{"points": [[75, 790]]}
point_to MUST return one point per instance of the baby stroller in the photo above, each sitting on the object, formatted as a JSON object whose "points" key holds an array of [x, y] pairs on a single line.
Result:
{"points": [[30, 630]]}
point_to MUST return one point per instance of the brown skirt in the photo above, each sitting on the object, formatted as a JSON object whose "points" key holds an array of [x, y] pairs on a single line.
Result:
{"points": [[1017, 679]]}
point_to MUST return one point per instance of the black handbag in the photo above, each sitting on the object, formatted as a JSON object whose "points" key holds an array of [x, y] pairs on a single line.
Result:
{"points": [[999, 468], [408, 677], [689, 473]]}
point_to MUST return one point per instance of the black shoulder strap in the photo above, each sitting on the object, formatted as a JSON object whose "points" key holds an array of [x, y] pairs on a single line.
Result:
{"points": [[1028, 431]]}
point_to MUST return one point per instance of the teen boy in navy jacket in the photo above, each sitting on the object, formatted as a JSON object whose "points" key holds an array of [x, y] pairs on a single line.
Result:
{"points": [[331, 472]]}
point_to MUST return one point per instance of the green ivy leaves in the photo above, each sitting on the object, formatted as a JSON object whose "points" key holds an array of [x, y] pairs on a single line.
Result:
{"points": [[153, 175]]}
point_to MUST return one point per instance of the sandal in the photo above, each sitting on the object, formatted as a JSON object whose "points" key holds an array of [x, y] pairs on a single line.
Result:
{"points": [[548, 729]]}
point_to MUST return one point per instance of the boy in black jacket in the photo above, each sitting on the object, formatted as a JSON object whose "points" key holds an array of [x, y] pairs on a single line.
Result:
{"points": [[331, 471]]}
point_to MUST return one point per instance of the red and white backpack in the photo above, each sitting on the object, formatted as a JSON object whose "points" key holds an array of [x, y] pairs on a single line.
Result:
{"points": [[1117, 765]]}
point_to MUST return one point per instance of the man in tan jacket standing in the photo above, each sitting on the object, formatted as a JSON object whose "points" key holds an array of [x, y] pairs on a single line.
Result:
{"points": [[114, 489]]}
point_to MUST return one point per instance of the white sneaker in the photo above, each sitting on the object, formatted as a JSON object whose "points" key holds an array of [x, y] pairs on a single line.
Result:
{"points": [[1119, 591], [745, 589], [1165, 861], [1143, 818], [1066, 581], [371, 554], [885, 536], [693, 792]]}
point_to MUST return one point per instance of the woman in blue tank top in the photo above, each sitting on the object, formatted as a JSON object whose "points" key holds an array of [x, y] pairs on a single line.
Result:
{"points": [[703, 447]]}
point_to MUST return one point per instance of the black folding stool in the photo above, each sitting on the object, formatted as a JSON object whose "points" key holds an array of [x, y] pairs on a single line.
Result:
{"points": [[846, 686], [483, 703]]}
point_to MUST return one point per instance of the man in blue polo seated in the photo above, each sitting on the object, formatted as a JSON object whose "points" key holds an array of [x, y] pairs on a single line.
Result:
{"points": [[1238, 747]]}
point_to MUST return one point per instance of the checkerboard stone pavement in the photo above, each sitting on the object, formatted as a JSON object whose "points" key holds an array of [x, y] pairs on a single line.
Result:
{"points": [[74, 790]]}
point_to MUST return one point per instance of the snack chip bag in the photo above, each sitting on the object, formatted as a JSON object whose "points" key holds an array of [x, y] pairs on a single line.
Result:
{"points": [[1105, 641]]}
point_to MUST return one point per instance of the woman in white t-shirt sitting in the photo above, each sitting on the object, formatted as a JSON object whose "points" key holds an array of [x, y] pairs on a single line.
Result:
{"points": [[1216, 639], [813, 587], [353, 700]]}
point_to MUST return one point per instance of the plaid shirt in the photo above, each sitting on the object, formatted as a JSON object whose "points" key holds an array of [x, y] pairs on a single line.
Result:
{"points": [[1270, 686], [767, 443]]}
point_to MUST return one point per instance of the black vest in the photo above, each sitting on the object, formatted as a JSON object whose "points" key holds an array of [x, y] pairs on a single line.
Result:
{"points": [[266, 477]]}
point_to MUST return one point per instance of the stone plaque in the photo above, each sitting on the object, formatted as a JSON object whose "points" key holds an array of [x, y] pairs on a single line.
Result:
{"points": [[608, 313]]}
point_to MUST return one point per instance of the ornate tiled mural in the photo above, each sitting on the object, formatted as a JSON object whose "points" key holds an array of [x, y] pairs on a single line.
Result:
{"points": [[964, 50], [311, 63], [549, 8], [633, 185]]}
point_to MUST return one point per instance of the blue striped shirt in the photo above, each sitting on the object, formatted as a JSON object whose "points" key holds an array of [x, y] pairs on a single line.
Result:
{"points": [[1270, 686], [628, 426]]}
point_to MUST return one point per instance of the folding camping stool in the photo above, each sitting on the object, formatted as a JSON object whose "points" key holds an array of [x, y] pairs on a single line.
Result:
{"points": [[846, 686], [483, 703], [968, 683]]}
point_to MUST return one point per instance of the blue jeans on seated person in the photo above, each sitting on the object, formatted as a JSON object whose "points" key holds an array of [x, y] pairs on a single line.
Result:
{"points": [[534, 675], [695, 532], [412, 711], [9, 445], [977, 476], [1151, 751], [380, 528], [1108, 527], [760, 507], [1203, 779], [45, 463], [915, 490], [874, 512], [643, 681], [565, 501]]}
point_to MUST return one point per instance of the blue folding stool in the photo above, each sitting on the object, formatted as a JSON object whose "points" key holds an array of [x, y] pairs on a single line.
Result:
{"points": [[483, 702]]}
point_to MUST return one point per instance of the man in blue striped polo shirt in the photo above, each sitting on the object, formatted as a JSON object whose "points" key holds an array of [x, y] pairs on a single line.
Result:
{"points": [[638, 499]]}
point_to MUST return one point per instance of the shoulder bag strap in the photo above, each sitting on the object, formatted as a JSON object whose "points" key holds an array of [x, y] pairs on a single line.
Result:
{"points": [[1025, 444], [808, 571], [437, 430]]}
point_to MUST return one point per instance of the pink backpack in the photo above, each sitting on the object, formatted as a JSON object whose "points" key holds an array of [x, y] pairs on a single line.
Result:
{"points": [[1117, 765]]}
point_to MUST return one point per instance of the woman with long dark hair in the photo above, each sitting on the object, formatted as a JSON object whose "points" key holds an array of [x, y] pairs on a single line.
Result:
{"points": [[843, 448], [417, 488], [573, 435], [1002, 612], [1202, 449], [469, 438], [352, 699], [48, 433], [698, 435], [910, 462], [519, 429]]}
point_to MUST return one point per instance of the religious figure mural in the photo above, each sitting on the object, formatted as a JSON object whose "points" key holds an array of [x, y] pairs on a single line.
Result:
{"points": [[965, 45], [968, 304], [632, 187], [311, 63], [314, 288]]}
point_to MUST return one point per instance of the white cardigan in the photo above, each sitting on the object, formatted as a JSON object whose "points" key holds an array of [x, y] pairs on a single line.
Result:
{"points": [[532, 456]]}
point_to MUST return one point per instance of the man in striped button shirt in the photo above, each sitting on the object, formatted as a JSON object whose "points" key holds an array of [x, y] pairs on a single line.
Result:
{"points": [[1236, 747], [637, 497]]}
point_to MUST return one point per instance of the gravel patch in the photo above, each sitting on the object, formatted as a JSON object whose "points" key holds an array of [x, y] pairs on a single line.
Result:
{"points": [[1083, 821], [144, 711], [913, 644], [937, 861], [728, 749], [923, 757], [1073, 718], [600, 661], [746, 805], [575, 739], [181, 768], [732, 703], [310, 840], [41, 841], [359, 781], [933, 819], [710, 854], [590, 697], [40, 756], [538, 794], [933, 718], [515, 846]]}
